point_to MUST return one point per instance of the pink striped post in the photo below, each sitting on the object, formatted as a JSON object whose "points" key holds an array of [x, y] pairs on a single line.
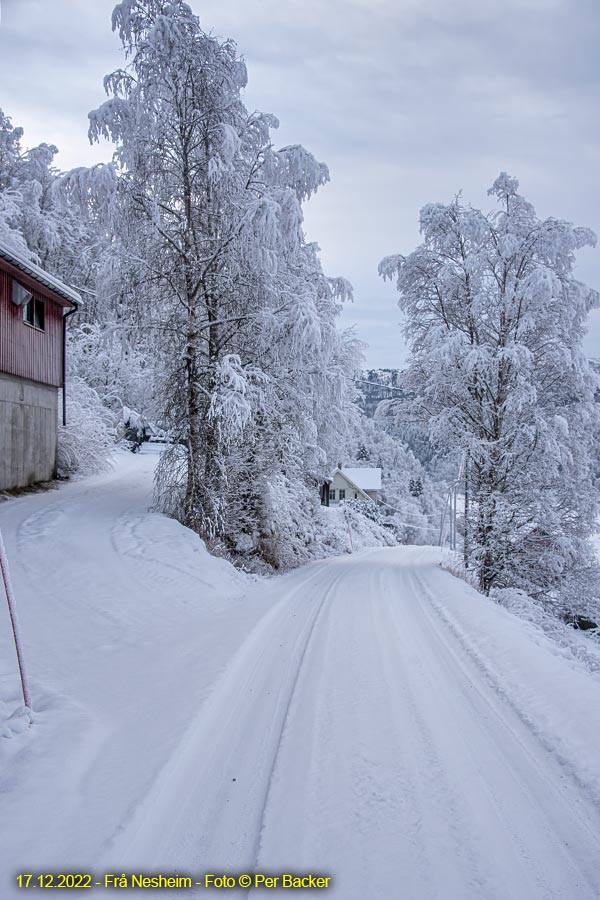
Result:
{"points": [[14, 621]]}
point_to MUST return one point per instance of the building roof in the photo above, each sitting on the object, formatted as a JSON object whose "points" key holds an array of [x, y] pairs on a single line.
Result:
{"points": [[17, 260], [365, 479]]}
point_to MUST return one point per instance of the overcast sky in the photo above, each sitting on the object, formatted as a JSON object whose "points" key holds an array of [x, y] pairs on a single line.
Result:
{"points": [[407, 101]]}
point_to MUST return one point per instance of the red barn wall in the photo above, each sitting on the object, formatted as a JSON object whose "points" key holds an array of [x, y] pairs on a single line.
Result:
{"points": [[25, 351]]}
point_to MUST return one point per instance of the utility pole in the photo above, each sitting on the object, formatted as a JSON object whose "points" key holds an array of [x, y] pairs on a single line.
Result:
{"points": [[451, 505], [453, 518], [466, 517]]}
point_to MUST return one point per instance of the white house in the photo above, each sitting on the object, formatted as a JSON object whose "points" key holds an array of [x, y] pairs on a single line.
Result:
{"points": [[351, 484]]}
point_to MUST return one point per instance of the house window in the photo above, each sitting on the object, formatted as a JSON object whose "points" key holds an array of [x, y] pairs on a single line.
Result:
{"points": [[33, 313], [342, 494], [355, 495], [331, 494]]}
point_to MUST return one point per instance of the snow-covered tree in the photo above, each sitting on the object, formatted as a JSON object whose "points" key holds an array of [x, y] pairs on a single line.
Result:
{"points": [[496, 317], [208, 240], [12, 186], [85, 442], [36, 217], [102, 355]]}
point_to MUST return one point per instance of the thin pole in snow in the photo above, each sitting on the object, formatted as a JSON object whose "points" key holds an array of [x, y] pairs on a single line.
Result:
{"points": [[14, 621], [349, 532], [443, 520], [466, 517]]}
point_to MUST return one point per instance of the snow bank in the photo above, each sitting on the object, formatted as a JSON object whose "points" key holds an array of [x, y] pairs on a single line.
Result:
{"points": [[584, 647], [127, 621], [544, 676], [14, 719]]}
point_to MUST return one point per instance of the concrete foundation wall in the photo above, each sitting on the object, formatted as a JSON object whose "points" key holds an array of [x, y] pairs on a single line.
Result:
{"points": [[28, 431]]}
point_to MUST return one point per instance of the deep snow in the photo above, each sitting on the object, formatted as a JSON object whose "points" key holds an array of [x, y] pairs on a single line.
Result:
{"points": [[370, 716]]}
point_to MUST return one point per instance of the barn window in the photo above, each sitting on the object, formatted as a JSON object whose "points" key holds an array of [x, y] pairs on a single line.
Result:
{"points": [[33, 313]]}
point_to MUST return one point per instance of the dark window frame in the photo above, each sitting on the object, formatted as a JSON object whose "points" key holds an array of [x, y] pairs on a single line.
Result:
{"points": [[34, 314]]}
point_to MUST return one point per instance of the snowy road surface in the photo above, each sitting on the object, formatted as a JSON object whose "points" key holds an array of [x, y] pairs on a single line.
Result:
{"points": [[367, 717]]}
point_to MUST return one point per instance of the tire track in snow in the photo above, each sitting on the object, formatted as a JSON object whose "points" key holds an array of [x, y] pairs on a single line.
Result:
{"points": [[344, 794], [446, 829], [533, 805], [398, 792], [50, 531], [40, 527], [465, 648], [170, 560], [130, 543], [456, 814], [206, 805], [301, 663]]}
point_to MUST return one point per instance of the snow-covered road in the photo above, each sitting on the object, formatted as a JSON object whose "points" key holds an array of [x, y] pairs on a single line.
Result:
{"points": [[369, 717]]}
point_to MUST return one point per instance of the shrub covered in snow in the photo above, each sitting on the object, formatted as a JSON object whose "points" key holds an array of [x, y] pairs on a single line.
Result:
{"points": [[300, 529], [582, 646], [355, 525], [290, 532], [85, 442], [370, 510], [550, 616]]}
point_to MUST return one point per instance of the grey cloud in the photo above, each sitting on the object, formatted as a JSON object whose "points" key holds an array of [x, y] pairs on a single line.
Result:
{"points": [[406, 101]]}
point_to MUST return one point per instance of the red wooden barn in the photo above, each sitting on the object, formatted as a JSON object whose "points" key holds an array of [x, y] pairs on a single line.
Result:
{"points": [[33, 309]]}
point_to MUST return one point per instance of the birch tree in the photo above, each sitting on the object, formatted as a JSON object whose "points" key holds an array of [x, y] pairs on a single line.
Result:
{"points": [[208, 231], [496, 318]]}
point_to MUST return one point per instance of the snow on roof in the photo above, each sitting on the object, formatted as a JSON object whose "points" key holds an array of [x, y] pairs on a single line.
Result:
{"points": [[28, 268], [365, 479]]}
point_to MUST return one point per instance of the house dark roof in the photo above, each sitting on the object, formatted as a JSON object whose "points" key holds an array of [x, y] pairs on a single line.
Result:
{"points": [[28, 268]]}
